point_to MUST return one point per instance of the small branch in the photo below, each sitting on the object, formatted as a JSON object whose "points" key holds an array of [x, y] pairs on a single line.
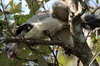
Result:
{"points": [[32, 41], [55, 55], [78, 62], [4, 14], [81, 48], [1, 31], [7, 5], [7, 24], [33, 7], [95, 10]]}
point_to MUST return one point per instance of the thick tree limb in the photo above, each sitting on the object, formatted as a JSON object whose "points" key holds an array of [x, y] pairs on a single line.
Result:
{"points": [[32, 41], [81, 49]]}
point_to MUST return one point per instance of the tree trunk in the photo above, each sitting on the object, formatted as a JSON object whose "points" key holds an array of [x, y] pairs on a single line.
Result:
{"points": [[81, 48]]}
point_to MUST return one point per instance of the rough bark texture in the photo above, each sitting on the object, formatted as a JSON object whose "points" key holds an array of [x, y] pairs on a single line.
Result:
{"points": [[31, 42], [81, 49]]}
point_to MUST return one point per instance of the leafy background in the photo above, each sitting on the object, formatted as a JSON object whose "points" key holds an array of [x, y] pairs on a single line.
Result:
{"points": [[15, 17]]}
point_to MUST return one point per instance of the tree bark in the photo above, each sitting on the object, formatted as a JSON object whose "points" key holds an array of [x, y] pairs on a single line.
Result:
{"points": [[81, 48]]}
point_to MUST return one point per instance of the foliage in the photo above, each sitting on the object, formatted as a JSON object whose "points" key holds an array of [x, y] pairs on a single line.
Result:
{"points": [[41, 53], [15, 8], [15, 11]]}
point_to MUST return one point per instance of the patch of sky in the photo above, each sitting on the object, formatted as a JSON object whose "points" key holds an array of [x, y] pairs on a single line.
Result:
{"points": [[93, 3]]}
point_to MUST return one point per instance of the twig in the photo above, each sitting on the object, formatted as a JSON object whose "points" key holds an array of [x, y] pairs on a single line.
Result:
{"points": [[7, 5], [4, 14], [43, 5], [95, 10], [78, 62], [1, 31], [55, 55], [7, 24], [33, 7], [88, 35]]}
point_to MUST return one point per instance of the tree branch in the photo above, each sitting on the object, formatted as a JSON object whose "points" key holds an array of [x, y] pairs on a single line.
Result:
{"points": [[81, 49], [32, 41]]}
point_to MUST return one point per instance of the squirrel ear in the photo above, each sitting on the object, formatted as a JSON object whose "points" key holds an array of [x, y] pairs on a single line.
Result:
{"points": [[60, 11]]}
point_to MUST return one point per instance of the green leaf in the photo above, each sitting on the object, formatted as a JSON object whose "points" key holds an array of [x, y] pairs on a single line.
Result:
{"points": [[27, 53], [20, 19], [33, 6], [4, 61], [3, 22], [96, 54], [65, 60], [98, 40], [42, 62], [46, 0], [11, 3], [97, 1], [97, 49], [24, 53], [45, 49], [17, 8]]}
